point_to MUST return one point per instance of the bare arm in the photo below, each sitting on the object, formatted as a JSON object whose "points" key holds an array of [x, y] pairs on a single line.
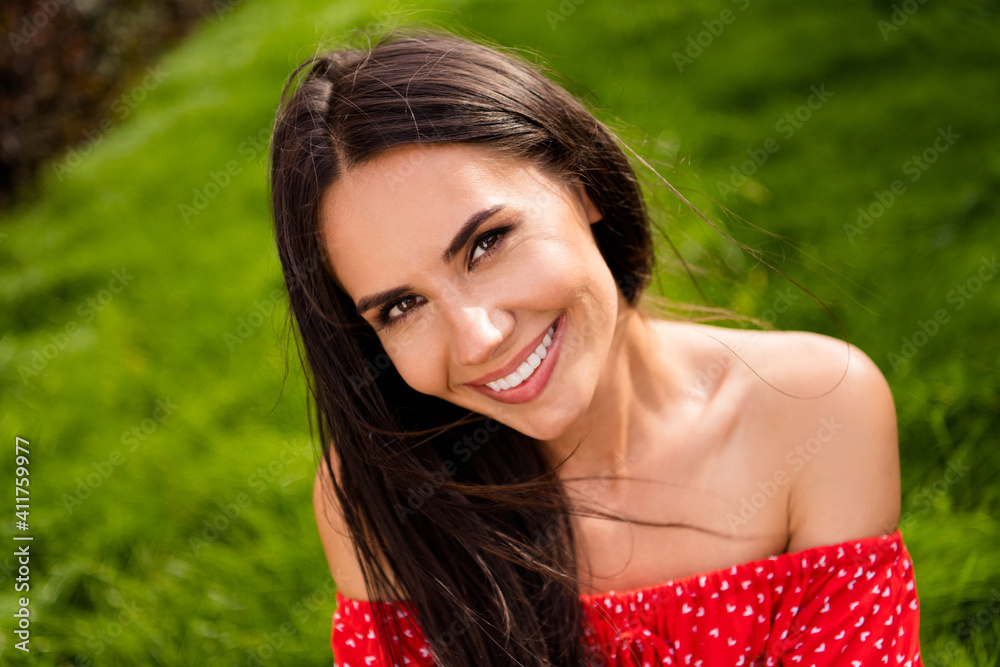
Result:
{"points": [[848, 484], [337, 544]]}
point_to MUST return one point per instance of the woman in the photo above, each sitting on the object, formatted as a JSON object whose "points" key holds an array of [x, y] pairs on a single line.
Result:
{"points": [[525, 466]]}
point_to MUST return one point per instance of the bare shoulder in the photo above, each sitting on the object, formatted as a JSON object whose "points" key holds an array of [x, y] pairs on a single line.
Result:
{"points": [[819, 411], [828, 409], [337, 543]]}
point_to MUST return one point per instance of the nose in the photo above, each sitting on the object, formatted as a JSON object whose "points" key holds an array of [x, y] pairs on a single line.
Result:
{"points": [[477, 332]]}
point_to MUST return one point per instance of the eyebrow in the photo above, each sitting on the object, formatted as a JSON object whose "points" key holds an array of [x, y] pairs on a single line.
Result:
{"points": [[461, 238]]}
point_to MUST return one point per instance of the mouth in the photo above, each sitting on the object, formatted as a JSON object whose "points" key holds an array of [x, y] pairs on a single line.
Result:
{"points": [[527, 379]]}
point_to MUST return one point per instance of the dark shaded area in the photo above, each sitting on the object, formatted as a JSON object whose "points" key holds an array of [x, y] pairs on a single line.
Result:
{"points": [[65, 69]]}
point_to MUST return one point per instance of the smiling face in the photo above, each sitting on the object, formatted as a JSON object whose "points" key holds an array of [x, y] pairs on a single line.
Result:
{"points": [[466, 262]]}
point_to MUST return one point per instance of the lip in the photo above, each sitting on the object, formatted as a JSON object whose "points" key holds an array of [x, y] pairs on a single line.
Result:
{"points": [[533, 385]]}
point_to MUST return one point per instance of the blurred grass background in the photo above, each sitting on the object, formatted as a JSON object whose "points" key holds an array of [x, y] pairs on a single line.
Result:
{"points": [[140, 328]]}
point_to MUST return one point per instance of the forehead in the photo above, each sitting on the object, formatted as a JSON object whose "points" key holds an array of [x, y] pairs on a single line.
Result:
{"points": [[386, 221]]}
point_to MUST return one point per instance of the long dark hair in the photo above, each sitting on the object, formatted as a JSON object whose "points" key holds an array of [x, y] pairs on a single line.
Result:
{"points": [[470, 521]]}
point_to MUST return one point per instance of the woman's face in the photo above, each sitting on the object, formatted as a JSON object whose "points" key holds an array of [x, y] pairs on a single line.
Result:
{"points": [[465, 261]]}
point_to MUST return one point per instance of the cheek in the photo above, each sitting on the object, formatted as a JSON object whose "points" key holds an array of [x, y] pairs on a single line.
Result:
{"points": [[416, 359], [558, 273], [581, 279], [581, 282]]}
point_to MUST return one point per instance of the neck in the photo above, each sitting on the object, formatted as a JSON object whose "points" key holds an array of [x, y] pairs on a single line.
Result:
{"points": [[639, 381]]}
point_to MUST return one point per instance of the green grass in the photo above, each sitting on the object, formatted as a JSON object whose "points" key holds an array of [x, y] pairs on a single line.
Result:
{"points": [[192, 541]]}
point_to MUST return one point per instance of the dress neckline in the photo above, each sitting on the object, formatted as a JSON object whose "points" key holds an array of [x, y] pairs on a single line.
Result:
{"points": [[859, 546]]}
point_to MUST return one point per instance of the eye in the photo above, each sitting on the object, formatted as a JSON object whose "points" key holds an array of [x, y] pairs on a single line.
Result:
{"points": [[487, 243], [396, 311], [400, 306]]}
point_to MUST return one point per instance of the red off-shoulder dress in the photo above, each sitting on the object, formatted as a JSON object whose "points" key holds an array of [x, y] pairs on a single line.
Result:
{"points": [[852, 604]]}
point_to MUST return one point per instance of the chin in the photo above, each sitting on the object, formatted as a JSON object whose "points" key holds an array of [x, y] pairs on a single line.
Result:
{"points": [[549, 422]]}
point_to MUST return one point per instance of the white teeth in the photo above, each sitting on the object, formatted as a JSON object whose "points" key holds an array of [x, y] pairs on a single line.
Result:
{"points": [[525, 370]]}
